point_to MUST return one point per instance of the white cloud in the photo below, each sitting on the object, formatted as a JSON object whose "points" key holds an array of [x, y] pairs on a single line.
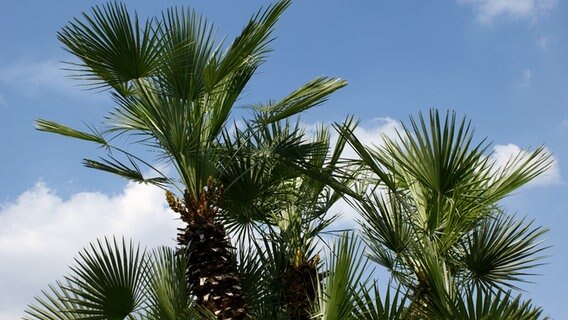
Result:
{"points": [[348, 216], [373, 134], [40, 233], [370, 133], [488, 10], [503, 153]]}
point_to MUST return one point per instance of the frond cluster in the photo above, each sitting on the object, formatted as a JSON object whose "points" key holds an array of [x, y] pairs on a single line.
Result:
{"points": [[433, 218]]}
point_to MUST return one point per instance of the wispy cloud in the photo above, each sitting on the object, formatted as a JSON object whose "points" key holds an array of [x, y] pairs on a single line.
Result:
{"points": [[544, 42], [526, 77], [527, 74], [487, 11], [37, 77], [40, 228]]}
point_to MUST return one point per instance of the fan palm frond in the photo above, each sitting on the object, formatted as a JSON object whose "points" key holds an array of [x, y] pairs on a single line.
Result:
{"points": [[107, 282], [117, 280], [113, 47], [372, 305], [502, 251], [433, 219], [476, 305], [340, 289]]}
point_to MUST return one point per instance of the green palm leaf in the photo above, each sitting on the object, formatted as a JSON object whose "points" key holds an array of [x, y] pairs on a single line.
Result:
{"points": [[113, 280], [388, 232], [54, 304], [337, 297], [372, 305], [107, 282], [54, 127], [501, 251], [310, 95], [174, 88], [112, 46], [475, 305]]}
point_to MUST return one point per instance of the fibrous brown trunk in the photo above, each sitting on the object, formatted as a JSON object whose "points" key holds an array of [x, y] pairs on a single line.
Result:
{"points": [[211, 274], [299, 285]]}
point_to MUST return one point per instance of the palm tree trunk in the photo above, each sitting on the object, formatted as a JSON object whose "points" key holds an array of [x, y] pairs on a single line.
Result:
{"points": [[211, 274], [299, 286]]}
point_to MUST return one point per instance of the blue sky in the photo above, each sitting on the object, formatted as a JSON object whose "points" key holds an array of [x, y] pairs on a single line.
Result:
{"points": [[503, 63]]}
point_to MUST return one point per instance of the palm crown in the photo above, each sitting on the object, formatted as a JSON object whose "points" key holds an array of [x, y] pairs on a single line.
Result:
{"points": [[433, 219], [174, 89]]}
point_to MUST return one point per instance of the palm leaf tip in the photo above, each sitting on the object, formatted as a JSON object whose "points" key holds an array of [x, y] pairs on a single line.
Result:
{"points": [[54, 127], [130, 171], [112, 46], [310, 95]]}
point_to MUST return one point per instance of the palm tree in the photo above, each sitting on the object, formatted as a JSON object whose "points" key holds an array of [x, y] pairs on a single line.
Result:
{"points": [[432, 218], [174, 89]]}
